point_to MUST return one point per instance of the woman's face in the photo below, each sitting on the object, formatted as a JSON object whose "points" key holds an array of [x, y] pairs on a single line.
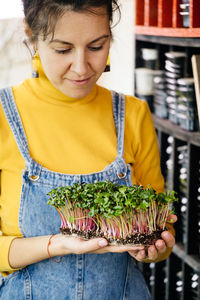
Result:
{"points": [[76, 56]]}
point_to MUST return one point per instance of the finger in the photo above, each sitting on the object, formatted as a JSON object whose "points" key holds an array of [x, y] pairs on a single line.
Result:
{"points": [[94, 244], [79, 246], [160, 246], [119, 249], [172, 218], [152, 252], [170, 228], [124, 248], [168, 238], [139, 255]]}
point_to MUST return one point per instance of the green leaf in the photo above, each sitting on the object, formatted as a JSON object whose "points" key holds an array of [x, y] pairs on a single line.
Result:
{"points": [[108, 198]]}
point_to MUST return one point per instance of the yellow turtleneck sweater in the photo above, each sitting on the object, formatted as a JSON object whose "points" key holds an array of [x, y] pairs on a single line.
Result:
{"points": [[74, 136]]}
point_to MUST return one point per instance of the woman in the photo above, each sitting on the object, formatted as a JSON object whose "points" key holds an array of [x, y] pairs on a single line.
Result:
{"points": [[58, 128]]}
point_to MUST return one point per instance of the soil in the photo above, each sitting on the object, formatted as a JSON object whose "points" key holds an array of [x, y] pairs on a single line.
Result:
{"points": [[135, 239]]}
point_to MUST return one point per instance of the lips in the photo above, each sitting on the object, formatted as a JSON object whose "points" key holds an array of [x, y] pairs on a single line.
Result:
{"points": [[80, 82]]}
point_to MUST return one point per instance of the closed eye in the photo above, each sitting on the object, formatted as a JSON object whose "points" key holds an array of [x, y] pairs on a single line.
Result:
{"points": [[95, 48], [62, 51]]}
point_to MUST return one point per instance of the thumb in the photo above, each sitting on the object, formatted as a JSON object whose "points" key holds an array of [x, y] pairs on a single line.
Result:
{"points": [[93, 244]]}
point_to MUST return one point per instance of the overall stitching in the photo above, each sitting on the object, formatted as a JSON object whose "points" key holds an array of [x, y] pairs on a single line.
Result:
{"points": [[24, 194], [118, 114], [14, 120], [27, 283], [79, 287], [121, 112], [126, 281], [115, 108]]}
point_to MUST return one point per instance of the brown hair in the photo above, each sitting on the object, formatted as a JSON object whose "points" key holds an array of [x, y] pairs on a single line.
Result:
{"points": [[41, 15]]}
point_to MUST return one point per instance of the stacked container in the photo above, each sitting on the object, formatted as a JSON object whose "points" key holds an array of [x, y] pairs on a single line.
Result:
{"points": [[174, 70], [160, 96], [187, 108]]}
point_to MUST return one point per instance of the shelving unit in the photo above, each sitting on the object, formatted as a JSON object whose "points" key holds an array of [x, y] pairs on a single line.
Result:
{"points": [[161, 17], [160, 26]]}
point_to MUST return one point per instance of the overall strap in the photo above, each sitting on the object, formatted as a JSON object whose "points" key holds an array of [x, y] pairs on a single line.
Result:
{"points": [[118, 101], [14, 120]]}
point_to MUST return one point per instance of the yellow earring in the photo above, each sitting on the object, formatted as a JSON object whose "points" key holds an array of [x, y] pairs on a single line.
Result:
{"points": [[107, 68], [35, 73]]}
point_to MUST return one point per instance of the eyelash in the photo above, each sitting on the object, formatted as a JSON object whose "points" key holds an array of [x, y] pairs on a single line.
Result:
{"points": [[68, 50], [62, 51], [95, 48]]}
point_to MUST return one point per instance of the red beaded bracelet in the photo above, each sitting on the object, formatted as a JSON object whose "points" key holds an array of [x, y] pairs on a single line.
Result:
{"points": [[49, 243]]}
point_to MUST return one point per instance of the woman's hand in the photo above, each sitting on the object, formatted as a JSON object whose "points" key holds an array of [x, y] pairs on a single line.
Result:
{"points": [[97, 245], [26, 251], [162, 248], [157, 252]]}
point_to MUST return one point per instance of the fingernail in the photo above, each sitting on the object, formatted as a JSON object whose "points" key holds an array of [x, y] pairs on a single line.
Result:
{"points": [[103, 243], [171, 220], [166, 235], [159, 244], [142, 252], [151, 250]]}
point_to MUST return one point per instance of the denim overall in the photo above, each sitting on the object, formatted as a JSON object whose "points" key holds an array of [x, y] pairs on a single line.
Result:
{"points": [[110, 276]]}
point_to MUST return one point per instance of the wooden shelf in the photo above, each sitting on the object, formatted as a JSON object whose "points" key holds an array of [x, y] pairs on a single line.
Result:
{"points": [[168, 31], [156, 16], [192, 260], [160, 25], [172, 129], [185, 42]]}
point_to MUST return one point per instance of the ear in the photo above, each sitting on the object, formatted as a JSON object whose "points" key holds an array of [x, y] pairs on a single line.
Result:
{"points": [[29, 35], [27, 30]]}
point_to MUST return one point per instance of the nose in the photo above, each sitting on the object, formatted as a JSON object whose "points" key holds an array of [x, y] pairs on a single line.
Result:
{"points": [[80, 63]]}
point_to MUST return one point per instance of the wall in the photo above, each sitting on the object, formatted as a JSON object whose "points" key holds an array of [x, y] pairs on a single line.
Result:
{"points": [[121, 77], [15, 62]]}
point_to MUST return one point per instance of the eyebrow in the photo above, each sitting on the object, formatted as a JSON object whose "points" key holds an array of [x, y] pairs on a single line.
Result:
{"points": [[105, 36]]}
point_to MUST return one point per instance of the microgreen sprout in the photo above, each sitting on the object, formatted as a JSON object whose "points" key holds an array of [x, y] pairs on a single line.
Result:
{"points": [[114, 211]]}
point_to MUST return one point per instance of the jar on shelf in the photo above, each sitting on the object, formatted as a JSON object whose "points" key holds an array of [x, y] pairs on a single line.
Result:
{"points": [[185, 12], [144, 79], [150, 57]]}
